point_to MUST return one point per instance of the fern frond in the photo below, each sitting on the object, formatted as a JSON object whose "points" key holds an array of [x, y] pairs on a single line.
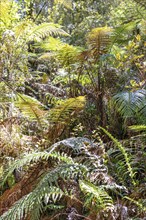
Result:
{"points": [[50, 43], [137, 127], [124, 153], [95, 196], [121, 172], [32, 32], [99, 40], [30, 107], [123, 33], [130, 103], [72, 146], [35, 157], [44, 30], [68, 54], [63, 112], [32, 203], [139, 203], [22, 28]]}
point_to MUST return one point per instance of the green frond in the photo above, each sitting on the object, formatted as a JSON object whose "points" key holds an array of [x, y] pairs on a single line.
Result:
{"points": [[30, 107], [95, 196], [68, 54], [137, 127], [72, 146], [142, 112], [117, 166], [35, 157], [44, 191], [23, 27], [130, 103], [99, 40], [53, 99], [123, 33], [44, 30], [35, 32], [121, 173], [140, 203], [126, 161], [33, 202], [69, 107], [51, 43], [47, 190]]}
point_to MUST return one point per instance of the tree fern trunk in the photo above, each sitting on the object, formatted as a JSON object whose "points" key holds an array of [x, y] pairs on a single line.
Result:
{"points": [[100, 101]]}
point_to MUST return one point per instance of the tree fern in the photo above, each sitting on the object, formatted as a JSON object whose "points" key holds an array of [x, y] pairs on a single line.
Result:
{"points": [[99, 40], [78, 166], [32, 203], [29, 31], [60, 114]]}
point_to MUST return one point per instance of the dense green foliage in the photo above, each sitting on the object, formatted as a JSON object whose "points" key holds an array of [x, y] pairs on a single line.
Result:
{"points": [[72, 110]]}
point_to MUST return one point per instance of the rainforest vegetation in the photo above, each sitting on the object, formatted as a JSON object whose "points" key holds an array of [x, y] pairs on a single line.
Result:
{"points": [[72, 109]]}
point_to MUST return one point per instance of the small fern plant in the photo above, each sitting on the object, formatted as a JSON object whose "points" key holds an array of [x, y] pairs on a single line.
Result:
{"points": [[125, 163], [79, 167]]}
